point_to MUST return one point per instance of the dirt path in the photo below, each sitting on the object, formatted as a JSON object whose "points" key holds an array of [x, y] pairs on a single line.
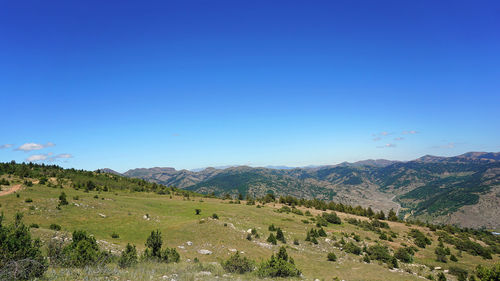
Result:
{"points": [[13, 189]]}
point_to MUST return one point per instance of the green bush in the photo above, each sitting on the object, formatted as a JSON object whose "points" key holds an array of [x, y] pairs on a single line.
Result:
{"points": [[20, 256], [28, 200], [128, 257], [332, 218], [215, 216], [404, 254], [34, 225], [278, 266], [379, 252], [488, 273], [115, 235], [420, 239], [82, 251], [272, 227], [55, 227], [280, 236], [62, 199], [154, 251], [460, 273], [352, 248], [331, 256], [238, 264], [271, 239], [197, 211]]}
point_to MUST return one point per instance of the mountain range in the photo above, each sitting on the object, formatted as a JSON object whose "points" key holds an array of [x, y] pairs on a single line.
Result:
{"points": [[462, 190]]}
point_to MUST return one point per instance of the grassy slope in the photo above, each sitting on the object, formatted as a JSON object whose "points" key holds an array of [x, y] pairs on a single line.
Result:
{"points": [[177, 220]]}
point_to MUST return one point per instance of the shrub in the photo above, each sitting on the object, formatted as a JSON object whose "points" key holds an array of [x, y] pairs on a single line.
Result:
{"points": [[128, 257], [154, 251], [488, 273], [331, 256], [215, 216], [379, 252], [280, 236], [441, 277], [20, 256], [4, 182], [352, 248], [271, 239], [62, 199], [440, 254], [197, 211], [170, 255], [296, 241], [272, 227], [34, 225], [82, 251], [321, 232], [420, 239], [314, 240], [404, 254], [460, 273], [238, 264], [28, 200], [76, 197], [453, 258], [278, 266], [332, 218], [55, 227], [115, 235]]}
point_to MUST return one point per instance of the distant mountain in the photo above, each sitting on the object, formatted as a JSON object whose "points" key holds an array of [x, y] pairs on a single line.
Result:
{"points": [[463, 189], [109, 171]]}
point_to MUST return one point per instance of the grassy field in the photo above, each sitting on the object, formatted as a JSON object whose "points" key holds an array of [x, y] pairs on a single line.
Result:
{"points": [[134, 215]]}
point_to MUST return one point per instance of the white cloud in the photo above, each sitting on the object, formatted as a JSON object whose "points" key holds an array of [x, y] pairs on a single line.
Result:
{"points": [[34, 146], [4, 146], [48, 157], [384, 133], [412, 132], [399, 139], [387, 145]]}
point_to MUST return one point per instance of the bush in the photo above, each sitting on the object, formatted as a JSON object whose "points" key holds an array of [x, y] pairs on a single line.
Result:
{"points": [[4, 182], [331, 256], [488, 273], [197, 211], [62, 199], [215, 216], [441, 277], [460, 273], [34, 225], [280, 236], [278, 266], [154, 251], [20, 256], [352, 248], [404, 254], [272, 227], [453, 258], [28, 200], [379, 252], [115, 235], [238, 264], [83, 251], [420, 239], [296, 241], [55, 227], [128, 257], [271, 239], [332, 218]]}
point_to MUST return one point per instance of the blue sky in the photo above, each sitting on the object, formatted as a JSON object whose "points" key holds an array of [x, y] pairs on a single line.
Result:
{"points": [[189, 84]]}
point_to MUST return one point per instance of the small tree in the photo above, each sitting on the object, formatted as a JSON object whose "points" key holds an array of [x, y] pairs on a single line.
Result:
{"points": [[198, 211], [441, 277], [153, 244], [271, 239], [331, 256], [280, 236], [278, 266], [128, 257], [238, 264], [62, 199]]}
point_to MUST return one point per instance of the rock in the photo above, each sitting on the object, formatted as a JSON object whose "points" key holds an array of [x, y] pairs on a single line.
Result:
{"points": [[249, 230], [204, 252], [102, 215], [204, 273], [327, 240], [233, 250], [189, 243], [446, 271], [437, 268], [181, 247]]}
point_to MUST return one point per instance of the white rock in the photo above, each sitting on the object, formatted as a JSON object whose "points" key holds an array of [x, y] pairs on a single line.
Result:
{"points": [[232, 250], [446, 271], [189, 243], [204, 273], [181, 247], [437, 268], [204, 252], [249, 230], [102, 215]]}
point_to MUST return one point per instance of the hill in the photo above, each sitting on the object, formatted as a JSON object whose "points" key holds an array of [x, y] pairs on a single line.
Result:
{"points": [[463, 189], [117, 210]]}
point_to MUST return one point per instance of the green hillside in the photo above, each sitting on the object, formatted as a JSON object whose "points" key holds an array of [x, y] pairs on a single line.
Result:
{"points": [[118, 210]]}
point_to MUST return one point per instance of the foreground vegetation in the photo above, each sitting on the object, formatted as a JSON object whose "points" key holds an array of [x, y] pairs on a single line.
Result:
{"points": [[137, 232]]}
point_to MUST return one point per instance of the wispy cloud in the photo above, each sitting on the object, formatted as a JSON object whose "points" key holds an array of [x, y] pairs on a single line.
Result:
{"points": [[34, 146], [48, 157], [384, 133], [387, 145], [412, 132], [399, 139], [377, 138], [5, 146]]}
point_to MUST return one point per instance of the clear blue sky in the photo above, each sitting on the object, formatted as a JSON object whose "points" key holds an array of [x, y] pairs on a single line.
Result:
{"points": [[189, 84]]}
